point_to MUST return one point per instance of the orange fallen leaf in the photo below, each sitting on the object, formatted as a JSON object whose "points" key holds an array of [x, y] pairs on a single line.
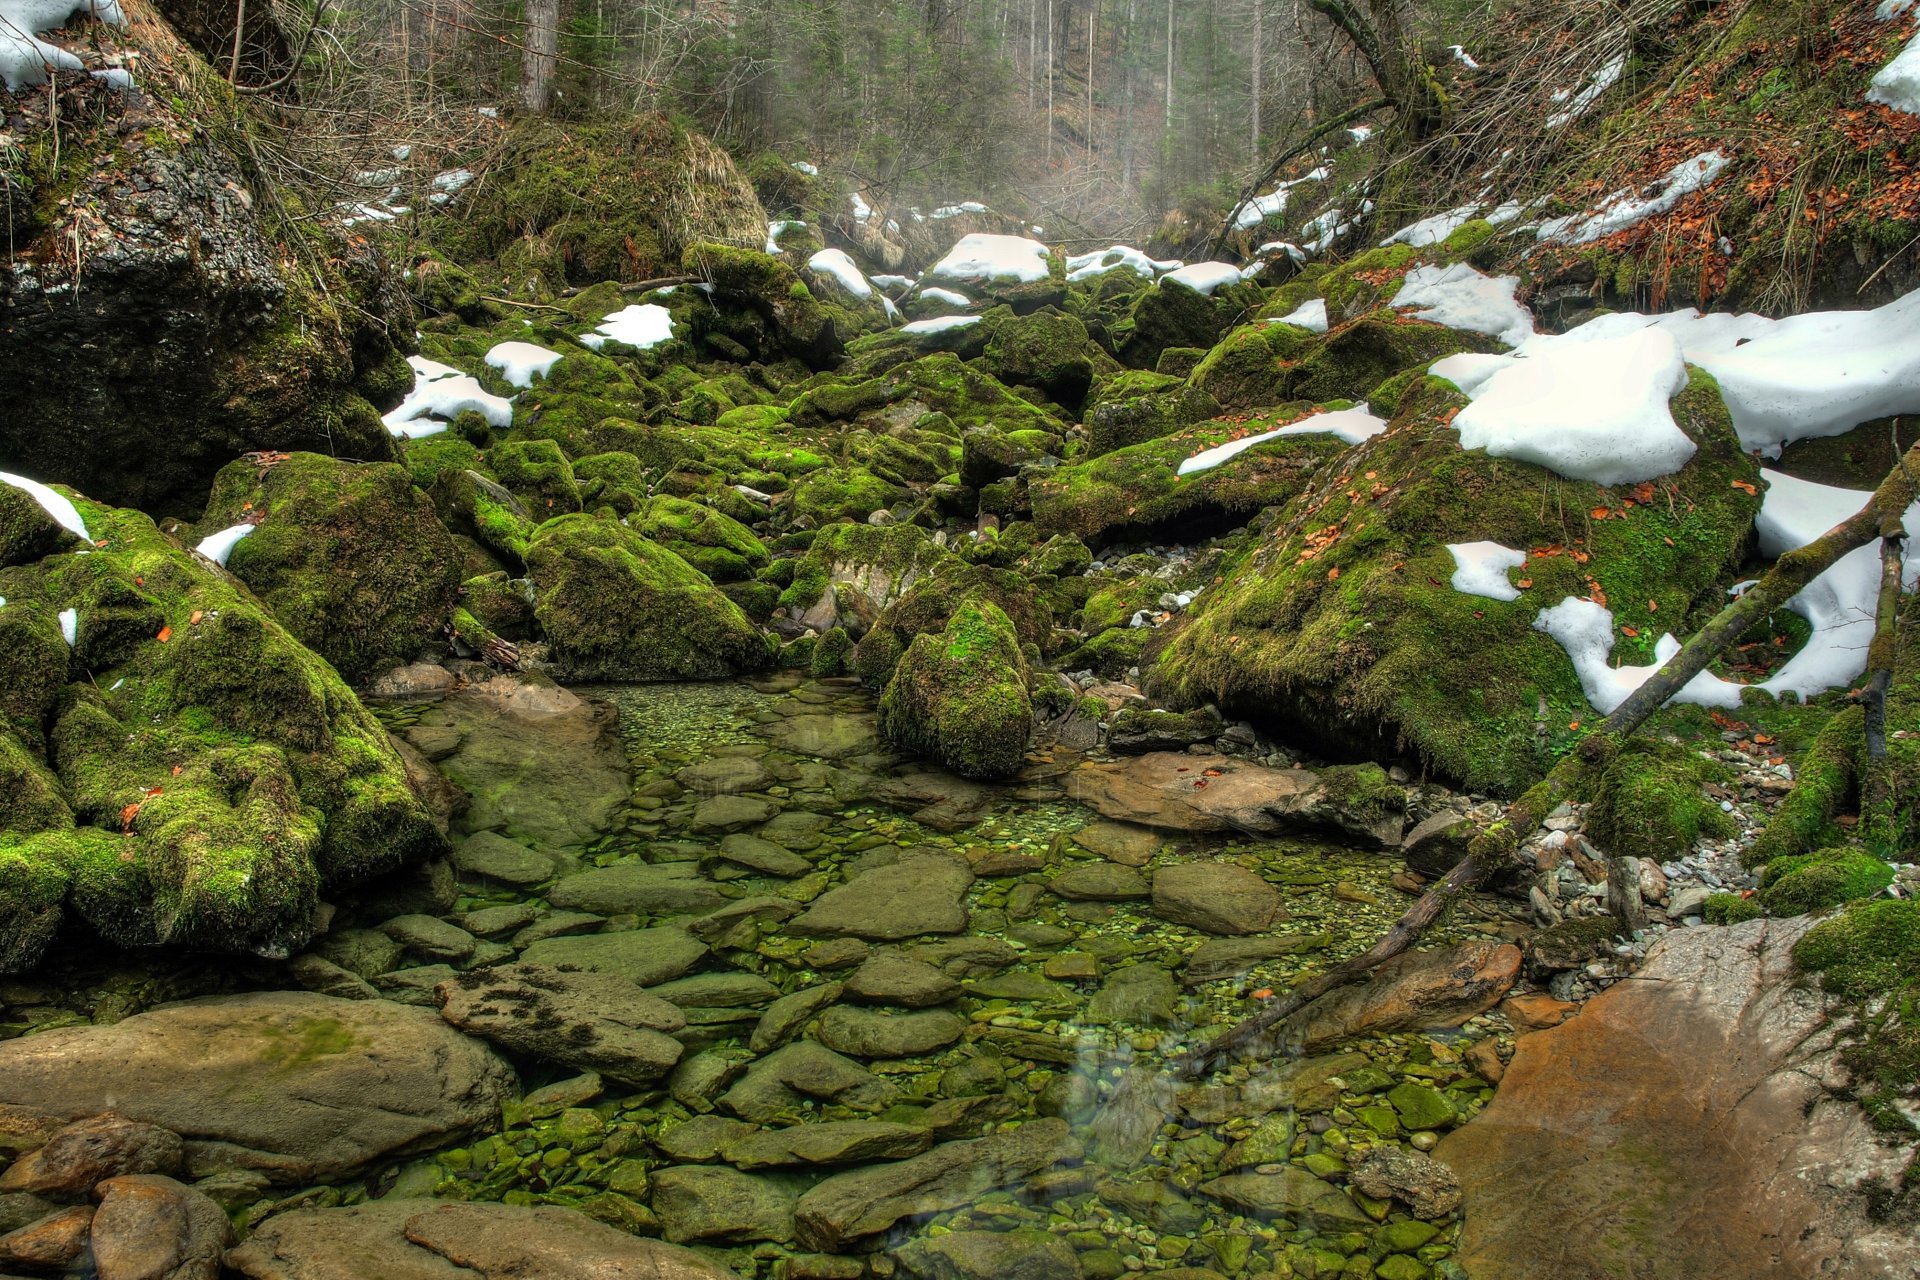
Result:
{"points": [[1332, 574], [1574, 725], [1524, 583], [198, 614], [126, 817], [176, 771], [1632, 633], [166, 634], [1742, 484], [1264, 993], [1599, 513], [1653, 606]]}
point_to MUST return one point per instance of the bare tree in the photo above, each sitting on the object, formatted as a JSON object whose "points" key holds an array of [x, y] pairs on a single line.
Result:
{"points": [[540, 53]]}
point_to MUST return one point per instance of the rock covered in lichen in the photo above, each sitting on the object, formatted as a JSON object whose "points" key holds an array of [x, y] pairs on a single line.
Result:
{"points": [[961, 696]]}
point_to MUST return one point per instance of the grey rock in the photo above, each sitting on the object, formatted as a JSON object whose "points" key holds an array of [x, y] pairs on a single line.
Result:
{"points": [[724, 775], [593, 1021], [786, 1016], [645, 957], [414, 985], [700, 1139], [721, 1205], [492, 856], [558, 924], [149, 1227], [638, 888], [1436, 844], [365, 952], [495, 922], [1425, 1185], [832, 1142], [319, 974], [699, 1079], [779, 1082], [758, 855], [1292, 1193], [921, 894], [429, 937], [731, 813], [990, 1255], [719, 991], [1219, 958], [1138, 995], [1099, 882], [969, 957], [1218, 897], [888, 977], [877, 1033]]}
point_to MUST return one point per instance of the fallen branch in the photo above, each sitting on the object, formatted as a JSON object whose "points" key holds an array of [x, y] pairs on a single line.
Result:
{"points": [[1498, 846], [530, 306], [639, 286]]}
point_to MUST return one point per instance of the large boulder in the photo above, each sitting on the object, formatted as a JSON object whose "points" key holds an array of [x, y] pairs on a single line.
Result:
{"points": [[351, 559], [184, 772], [1608, 1123], [153, 294], [616, 606], [961, 696], [301, 1087], [1174, 791]]}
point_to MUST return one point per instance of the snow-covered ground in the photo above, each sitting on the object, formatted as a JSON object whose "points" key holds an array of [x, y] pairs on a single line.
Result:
{"points": [[440, 394], [520, 362], [642, 326], [64, 513], [983, 257], [1349, 425]]}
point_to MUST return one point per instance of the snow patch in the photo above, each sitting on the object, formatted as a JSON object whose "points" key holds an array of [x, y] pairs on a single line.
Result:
{"points": [[945, 297], [861, 209], [518, 362], [1461, 298], [1204, 277], [838, 267], [70, 626], [955, 210], [1626, 207], [777, 229], [1480, 569], [1084, 266], [644, 326], [1461, 56], [1310, 315], [940, 324], [440, 394], [1430, 231], [1349, 425], [24, 57], [1274, 203], [812, 171], [1897, 84], [990, 257], [1578, 104], [64, 513], [218, 546]]}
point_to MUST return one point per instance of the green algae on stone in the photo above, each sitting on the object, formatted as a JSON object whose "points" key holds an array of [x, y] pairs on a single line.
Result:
{"points": [[1649, 802], [1868, 955], [1799, 883], [712, 542], [960, 695]]}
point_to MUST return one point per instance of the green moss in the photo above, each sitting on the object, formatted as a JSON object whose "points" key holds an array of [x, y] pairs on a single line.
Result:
{"points": [[1251, 365], [1136, 406], [717, 545], [1800, 883], [1363, 790], [1823, 785], [961, 696], [1047, 350], [1731, 908], [26, 531], [831, 653], [428, 458], [1869, 956], [1648, 802]]}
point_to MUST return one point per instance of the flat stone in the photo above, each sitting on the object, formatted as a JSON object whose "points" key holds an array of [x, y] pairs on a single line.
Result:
{"points": [[1218, 897], [796, 831], [724, 775], [758, 855], [319, 974], [1176, 792], [740, 925], [414, 985], [1021, 985], [1436, 844], [1218, 958], [592, 1021], [876, 1033], [497, 922], [1071, 965], [645, 957], [305, 1088], [93, 1150], [699, 1079], [492, 856], [639, 888], [56, 1241], [1120, 842], [558, 924], [1301, 1084], [1099, 882], [429, 937], [149, 1226], [1537, 1011], [969, 957], [366, 953], [428, 1240], [731, 813], [914, 896], [714, 1204], [891, 978], [1138, 995], [779, 1082], [1292, 1193], [1417, 991], [993, 1255], [786, 1016], [718, 991], [1426, 1186], [838, 953], [826, 736], [699, 1140], [434, 741], [832, 1142]]}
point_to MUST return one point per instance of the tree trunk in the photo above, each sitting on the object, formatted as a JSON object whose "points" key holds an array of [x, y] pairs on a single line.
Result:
{"points": [[539, 53], [1381, 40], [1259, 61]]}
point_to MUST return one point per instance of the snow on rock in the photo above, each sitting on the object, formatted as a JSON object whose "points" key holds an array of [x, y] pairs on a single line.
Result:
{"points": [[24, 57], [449, 184], [1628, 206], [861, 209], [1461, 56], [940, 324], [1084, 266], [218, 546], [1287, 247], [838, 267], [518, 362], [1310, 315], [70, 626], [1461, 298], [1328, 227], [777, 229], [1349, 425], [945, 297], [1891, 9], [812, 171], [1579, 103], [440, 394], [956, 210], [1588, 411], [1204, 277], [894, 283], [990, 257], [643, 325], [1430, 231], [1274, 203], [1480, 569], [64, 513], [1897, 84]]}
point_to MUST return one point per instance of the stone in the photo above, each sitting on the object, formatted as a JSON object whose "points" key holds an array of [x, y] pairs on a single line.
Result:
{"points": [[1120, 842], [715, 1204], [497, 922], [1751, 1168], [638, 888], [366, 953], [700, 1139], [717, 814], [592, 1021], [888, 977], [866, 1202], [1180, 793], [644, 957], [779, 1082], [922, 894], [1218, 897], [1141, 995], [56, 1241], [733, 990], [491, 856], [969, 957], [425, 1240], [1437, 843], [305, 1088], [1219, 958], [90, 1151], [882, 1033], [1428, 1187], [831, 1142], [1536, 1011], [839, 953], [1303, 1084], [1100, 882], [1417, 991], [426, 936], [1071, 965], [1484, 1057], [149, 1227], [761, 856], [318, 974], [1291, 1193], [725, 775], [1687, 900], [1421, 1106], [414, 985], [786, 1016], [990, 1255], [699, 1079], [1270, 1143]]}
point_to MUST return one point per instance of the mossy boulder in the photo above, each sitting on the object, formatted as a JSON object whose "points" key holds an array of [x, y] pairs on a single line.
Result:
{"points": [[480, 507], [1169, 314], [1341, 623], [537, 473], [796, 322], [1806, 882], [27, 532], [1352, 360], [1135, 406], [715, 544], [1648, 802], [1868, 955], [934, 599], [960, 695], [1250, 365], [351, 558], [617, 606], [879, 563], [1047, 350], [203, 779]]}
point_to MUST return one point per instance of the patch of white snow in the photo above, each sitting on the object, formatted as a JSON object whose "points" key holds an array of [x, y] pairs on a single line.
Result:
{"points": [[1203, 277], [218, 546], [1349, 425], [837, 266], [518, 362], [64, 513], [989, 257], [1480, 569], [1461, 298], [1310, 315], [440, 394], [643, 325], [940, 324]]}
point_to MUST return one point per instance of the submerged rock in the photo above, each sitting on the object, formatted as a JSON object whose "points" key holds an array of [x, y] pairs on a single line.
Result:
{"points": [[922, 894], [594, 1021], [1175, 792], [1418, 991]]}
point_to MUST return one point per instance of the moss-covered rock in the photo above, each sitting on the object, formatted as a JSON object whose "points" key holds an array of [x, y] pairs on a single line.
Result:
{"points": [[1795, 885], [205, 777], [1047, 350], [715, 544], [960, 695], [1171, 315], [797, 323], [934, 599], [537, 473], [350, 557], [27, 532], [1135, 406], [1868, 956], [480, 507], [1648, 802], [1250, 366], [1341, 623], [617, 606]]}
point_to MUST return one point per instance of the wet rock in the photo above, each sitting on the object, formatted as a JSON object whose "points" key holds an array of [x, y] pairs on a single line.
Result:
{"points": [[700, 1139], [495, 922], [1271, 1143], [830, 737], [303, 1087], [1436, 844], [721, 1205], [149, 1227], [779, 1082], [698, 1080], [557, 924], [644, 957], [866, 1202], [1417, 991], [840, 953], [1425, 1185], [1135, 731], [1139, 995], [1216, 896], [1120, 842], [878, 1033], [366, 953], [891, 978], [786, 1016], [1301, 1084], [739, 925], [19, 1209], [414, 985], [492, 856], [758, 855], [1753, 1168], [1292, 1193], [638, 888], [913, 896], [718, 991], [56, 1241], [322, 976], [429, 937], [969, 957], [961, 696], [1176, 792], [832, 1142], [990, 1255], [424, 1240], [1219, 958], [415, 680], [25, 1128], [1536, 1011], [1572, 943], [91, 1150], [1101, 882], [725, 775], [731, 813], [594, 1021]]}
